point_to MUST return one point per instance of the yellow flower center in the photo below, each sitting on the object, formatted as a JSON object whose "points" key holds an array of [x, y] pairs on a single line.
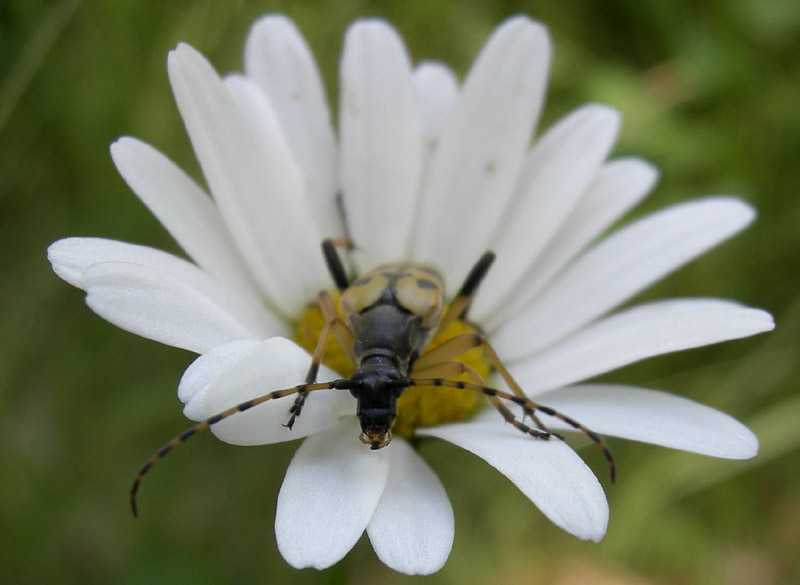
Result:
{"points": [[418, 406]]}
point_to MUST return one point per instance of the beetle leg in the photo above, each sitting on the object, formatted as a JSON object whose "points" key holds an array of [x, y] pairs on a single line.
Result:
{"points": [[528, 407], [460, 344], [462, 301], [343, 335], [453, 369], [334, 262]]}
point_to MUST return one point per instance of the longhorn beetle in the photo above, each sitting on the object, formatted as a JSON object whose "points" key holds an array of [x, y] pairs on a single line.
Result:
{"points": [[391, 314]]}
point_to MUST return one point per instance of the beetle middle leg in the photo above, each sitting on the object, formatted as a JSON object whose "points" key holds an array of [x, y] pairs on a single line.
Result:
{"points": [[461, 344], [453, 369], [528, 407]]}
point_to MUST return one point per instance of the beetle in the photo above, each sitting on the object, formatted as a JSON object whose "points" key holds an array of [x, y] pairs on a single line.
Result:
{"points": [[391, 314]]}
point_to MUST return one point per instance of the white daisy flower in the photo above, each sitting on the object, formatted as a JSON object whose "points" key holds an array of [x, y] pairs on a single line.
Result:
{"points": [[429, 170]]}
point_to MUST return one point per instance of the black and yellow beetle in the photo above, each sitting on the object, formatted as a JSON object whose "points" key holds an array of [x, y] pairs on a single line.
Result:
{"points": [[391, 314]]}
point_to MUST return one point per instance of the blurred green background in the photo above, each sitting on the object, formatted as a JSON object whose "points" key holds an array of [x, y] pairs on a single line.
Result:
{"points": [[710, 92]]}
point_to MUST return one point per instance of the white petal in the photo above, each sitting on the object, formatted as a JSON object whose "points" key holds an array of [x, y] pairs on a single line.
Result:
{"points": [[185, 210], [205, 369], [437, 90], [71, 257], [548, 472], [157, 306], [259, 191], [635, 334], [279, 60], [654, 417], [482, 146], [616, 188], [555, 175], [622, 265], [273, 364], [263, 119], [328, 496], [381, 141], [412, 528]]}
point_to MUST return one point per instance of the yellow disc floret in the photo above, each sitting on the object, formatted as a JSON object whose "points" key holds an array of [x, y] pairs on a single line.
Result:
{"points": [[418, 406]]}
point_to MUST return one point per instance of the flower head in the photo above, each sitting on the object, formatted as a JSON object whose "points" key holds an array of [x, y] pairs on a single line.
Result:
{"points": [[429, 170]]}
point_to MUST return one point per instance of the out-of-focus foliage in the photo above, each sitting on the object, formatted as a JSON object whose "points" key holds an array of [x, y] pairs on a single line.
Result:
{"points": [[709, 92]]}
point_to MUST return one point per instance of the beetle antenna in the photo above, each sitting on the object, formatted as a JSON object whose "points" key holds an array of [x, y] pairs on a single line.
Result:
{"points": [[529, 407], [202, 426]]}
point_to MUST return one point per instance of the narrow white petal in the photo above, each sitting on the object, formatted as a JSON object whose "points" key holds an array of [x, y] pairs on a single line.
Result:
{"points": [[273, 364], [381, 141], [279, 60], [259, 190], [328, 496], [412, 529], [155, 305], [616, 188], [549, 473], [206, 368], [482, 146], [264, 121], [654, 417], [634, 334], [555, 175], [437, 90], [622, 265], [185, 210], [71, 257]]}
